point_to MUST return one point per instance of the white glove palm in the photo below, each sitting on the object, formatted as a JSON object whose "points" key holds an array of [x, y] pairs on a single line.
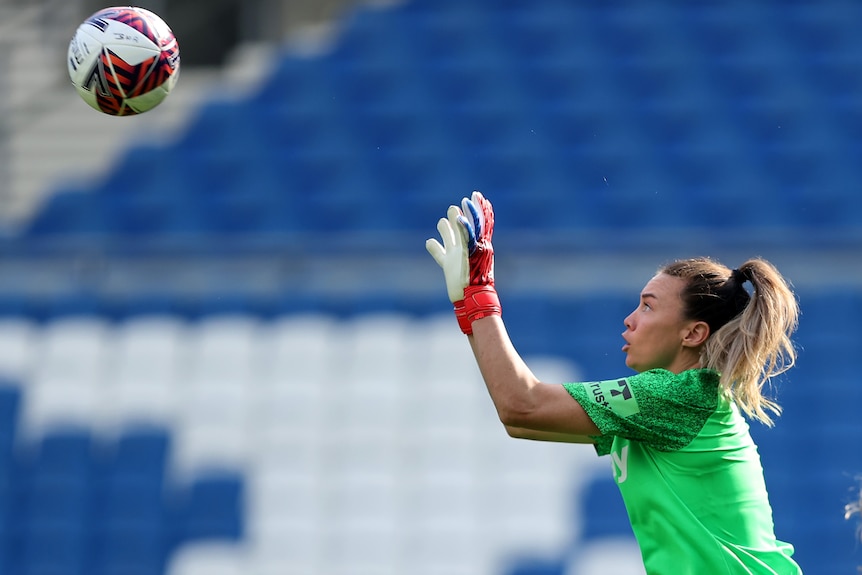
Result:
{"points": [[452, 254]]}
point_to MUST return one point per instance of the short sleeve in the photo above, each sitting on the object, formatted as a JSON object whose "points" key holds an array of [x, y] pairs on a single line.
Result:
{"points": [[656, 407]]}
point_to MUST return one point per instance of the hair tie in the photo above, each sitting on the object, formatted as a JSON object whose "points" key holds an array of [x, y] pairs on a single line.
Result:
{"points": [[739, 277]]}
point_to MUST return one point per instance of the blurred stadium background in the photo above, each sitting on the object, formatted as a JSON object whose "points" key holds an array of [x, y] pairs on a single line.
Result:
{"points": [[224, 350]]}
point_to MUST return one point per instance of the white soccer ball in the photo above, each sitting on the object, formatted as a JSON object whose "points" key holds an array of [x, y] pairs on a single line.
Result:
{"points": [[123, 60]]}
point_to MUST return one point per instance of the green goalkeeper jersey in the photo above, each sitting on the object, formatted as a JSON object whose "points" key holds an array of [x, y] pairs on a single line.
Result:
{"points": [[689, 474]]}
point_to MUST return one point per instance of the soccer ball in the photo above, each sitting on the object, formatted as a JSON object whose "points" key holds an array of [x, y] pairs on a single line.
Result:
{"points": [[123, 60]]}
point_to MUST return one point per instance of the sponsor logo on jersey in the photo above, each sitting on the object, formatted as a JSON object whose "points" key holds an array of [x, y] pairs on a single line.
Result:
{"points": [[615, 395]]}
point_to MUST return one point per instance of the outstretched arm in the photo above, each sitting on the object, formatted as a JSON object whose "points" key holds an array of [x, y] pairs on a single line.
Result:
{"points": [[528, 408]]}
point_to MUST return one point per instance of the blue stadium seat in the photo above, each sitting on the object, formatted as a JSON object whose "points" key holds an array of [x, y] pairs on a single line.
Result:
{"points": [[536, 566], [10, 400], [55, 495], [139, 453], [60, 453], [259, 211], [451, 32], [133, 531], [136, 548], [158, 214], [76, 213], [58, 501], [59, 549], [140, 169], [10, 404], [211, 507], [16, 305], [373, 40], [603, 511], [75, 303], [219, 124]]}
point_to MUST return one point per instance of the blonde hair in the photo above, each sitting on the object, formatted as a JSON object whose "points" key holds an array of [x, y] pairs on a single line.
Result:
{"points": [[749, 340]]}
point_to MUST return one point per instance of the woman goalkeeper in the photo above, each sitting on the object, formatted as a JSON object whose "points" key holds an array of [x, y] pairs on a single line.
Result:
{"points": [[683, 458]]}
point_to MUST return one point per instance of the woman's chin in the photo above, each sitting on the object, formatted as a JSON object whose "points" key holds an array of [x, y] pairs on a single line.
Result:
{"points": [[632, 364]]}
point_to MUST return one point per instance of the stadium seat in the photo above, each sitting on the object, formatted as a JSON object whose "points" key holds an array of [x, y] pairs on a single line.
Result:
{"points": [[536, 566], [210, 559], [10, 399], [57, 505], [78, 213], [65, 452], [223, 351], [604, 514], [158, 213], [132, 532], [137, 548], [10, 404], [210, 507], [139, 454], [17, 346], [297, 348], [53, 548]]}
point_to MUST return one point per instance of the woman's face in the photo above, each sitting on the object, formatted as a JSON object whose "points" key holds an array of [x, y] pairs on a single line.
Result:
{"points": [[656, 329]]}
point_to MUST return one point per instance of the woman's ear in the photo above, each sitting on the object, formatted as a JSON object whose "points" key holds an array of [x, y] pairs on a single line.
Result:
{"points": [[696, 334]]}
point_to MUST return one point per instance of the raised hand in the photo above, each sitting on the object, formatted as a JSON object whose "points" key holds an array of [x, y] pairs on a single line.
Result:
{"points": [[467, 259]]}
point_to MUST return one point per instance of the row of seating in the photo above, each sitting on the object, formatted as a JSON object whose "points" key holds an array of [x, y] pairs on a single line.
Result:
{"points": [[619, 115], [305, 493], [272, 390], [542, 321], [66, 499]]}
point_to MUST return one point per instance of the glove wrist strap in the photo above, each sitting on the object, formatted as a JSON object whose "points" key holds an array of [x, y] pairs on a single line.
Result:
{"points": [[479, 301]]}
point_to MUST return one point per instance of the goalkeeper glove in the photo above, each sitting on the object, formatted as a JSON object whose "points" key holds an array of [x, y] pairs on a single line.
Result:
{"points": [[467, 259]]}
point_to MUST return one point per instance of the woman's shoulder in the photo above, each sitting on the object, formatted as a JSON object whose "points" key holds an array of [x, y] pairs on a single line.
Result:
{"points": [[692, 386], [694, 376]]}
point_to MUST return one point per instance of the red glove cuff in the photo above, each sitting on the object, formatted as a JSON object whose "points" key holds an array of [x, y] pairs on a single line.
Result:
{"points": [[479, 301]]}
